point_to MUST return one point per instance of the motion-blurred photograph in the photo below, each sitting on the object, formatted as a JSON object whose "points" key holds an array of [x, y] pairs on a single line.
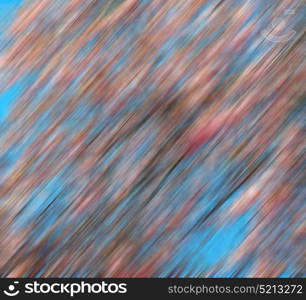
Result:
{"points": [[152, 139]]}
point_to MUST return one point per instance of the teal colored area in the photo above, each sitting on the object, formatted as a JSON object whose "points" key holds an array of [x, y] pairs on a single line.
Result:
{"points": [[7, 98], [226, 239], [8, 9]]}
